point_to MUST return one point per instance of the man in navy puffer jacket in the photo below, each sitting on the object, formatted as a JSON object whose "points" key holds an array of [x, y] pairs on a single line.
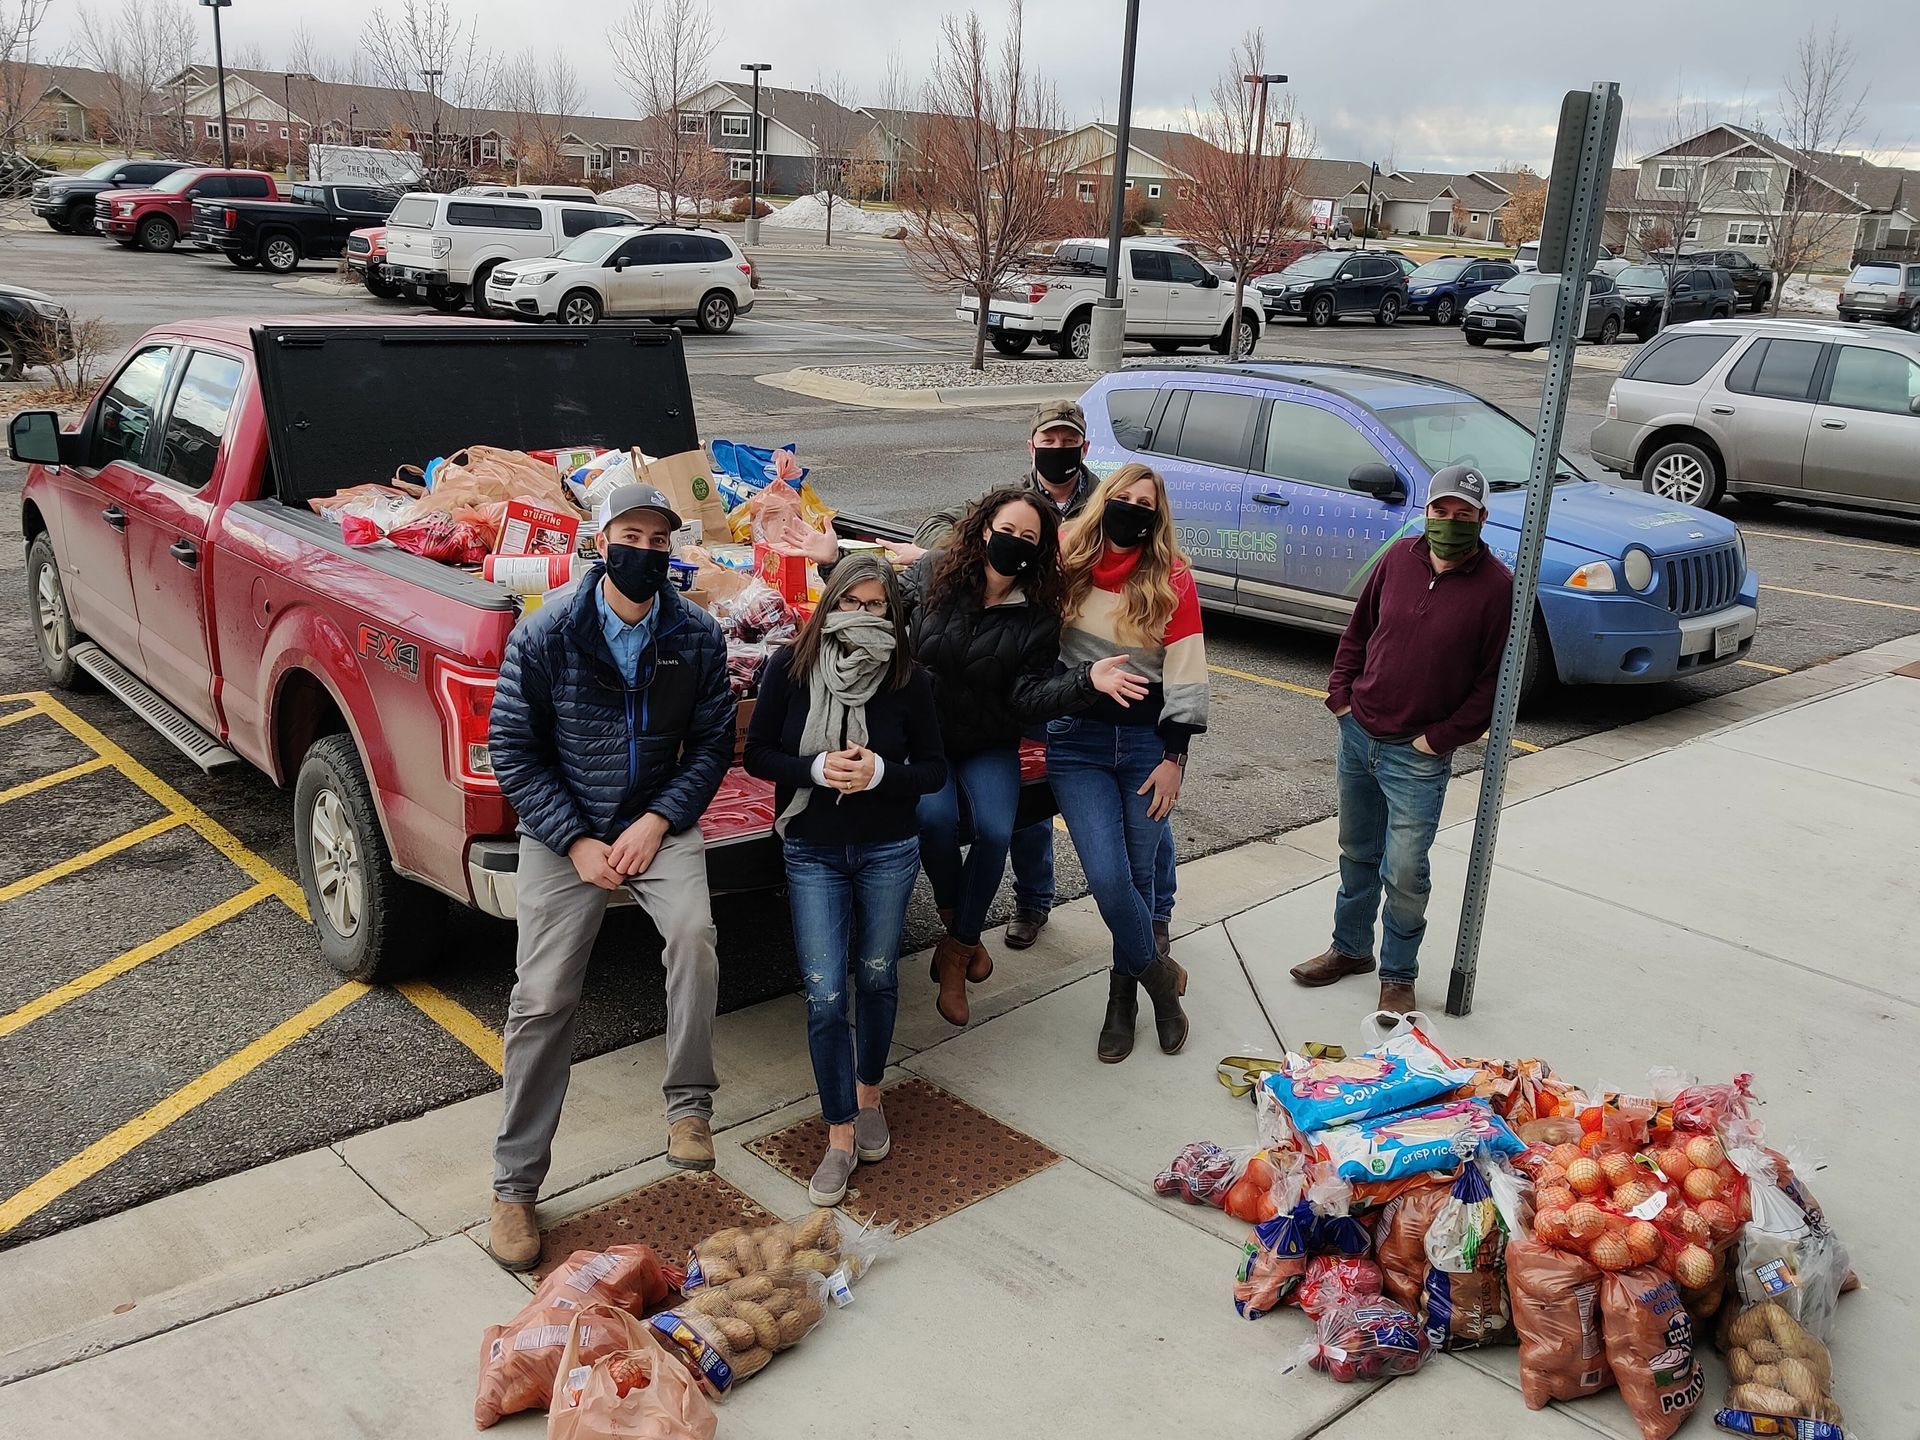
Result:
{"points": [[612, 728]]}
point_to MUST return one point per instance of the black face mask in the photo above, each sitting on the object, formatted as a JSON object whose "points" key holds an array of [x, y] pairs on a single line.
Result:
{"points": [[1126, 524], [1057, 466], [1011, 555], [637, 573]]}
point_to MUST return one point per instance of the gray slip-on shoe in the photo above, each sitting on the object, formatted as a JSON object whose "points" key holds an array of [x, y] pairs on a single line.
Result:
{"points": [[871, 1142], [829, 1183]]}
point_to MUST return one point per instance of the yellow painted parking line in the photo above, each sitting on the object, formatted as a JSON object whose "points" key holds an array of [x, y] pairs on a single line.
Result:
{"points": [[1306, 690], [1770, 669], [47, 782], [13, 717], [109, 1148], [1817, 540], [1060, 823], [1527, 746], [204, 825], [120, 964], [1849, 599], [458, 1021], [114, 846]]}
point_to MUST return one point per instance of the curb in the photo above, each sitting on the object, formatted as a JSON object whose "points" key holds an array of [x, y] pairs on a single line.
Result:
{"points": [[314, 285], [882, 397]]}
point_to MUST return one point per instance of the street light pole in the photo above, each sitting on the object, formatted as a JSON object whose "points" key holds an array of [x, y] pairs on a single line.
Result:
{"points": [[753, 178], [1373, 174], [220, 72], [287, 109], [1107, 335], [1256, 139]]}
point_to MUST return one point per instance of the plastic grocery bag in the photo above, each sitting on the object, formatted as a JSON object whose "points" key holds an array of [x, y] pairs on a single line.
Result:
{"points": [[826, 1242], [1555, 1297], [637, 1392], [1782, 1378], [518, 1360], [1401, 1241], [1335, 1279], [1274, 1259], [1787, 1254], [1650, 1349], [1398, 1074], [436, 535], [1249, 1183], [724, 1333], [1466, 1281], [755, 465], [1366, 1339], [630, 1277], [1415, 1141]]}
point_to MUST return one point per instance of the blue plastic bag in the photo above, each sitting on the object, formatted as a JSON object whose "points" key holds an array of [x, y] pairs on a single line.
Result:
{"points": [[752, 464], [1415, 1142]]}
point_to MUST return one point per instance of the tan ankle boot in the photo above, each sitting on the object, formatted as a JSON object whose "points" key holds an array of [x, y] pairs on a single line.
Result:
{"points": [[950, 959], [513, 1235]]}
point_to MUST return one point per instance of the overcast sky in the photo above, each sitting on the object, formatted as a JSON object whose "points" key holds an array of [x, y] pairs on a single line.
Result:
{"points": [[1427, 85]]}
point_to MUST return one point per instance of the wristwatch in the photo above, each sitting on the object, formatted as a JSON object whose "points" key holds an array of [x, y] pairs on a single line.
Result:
{"points": [[1180, 760]]}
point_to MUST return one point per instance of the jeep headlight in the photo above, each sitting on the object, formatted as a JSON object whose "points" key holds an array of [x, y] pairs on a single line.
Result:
{"points": [[1637, 566], [1595, 577]]}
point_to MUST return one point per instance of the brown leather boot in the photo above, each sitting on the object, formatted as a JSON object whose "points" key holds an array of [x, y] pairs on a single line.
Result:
{"points": [[1163, 937], [1123, 1015], [690, 1143], [950, 959], [1165, 982], [1024, 928], [1396, 996], [513, 1235], [1332, 966], [979, 963]]}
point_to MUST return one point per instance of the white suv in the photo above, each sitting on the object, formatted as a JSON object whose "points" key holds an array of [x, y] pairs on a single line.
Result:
{"points": [[443, 247], [667, 273]]}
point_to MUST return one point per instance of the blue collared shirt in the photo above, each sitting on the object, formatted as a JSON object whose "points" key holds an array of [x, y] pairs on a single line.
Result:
{"points": [[626, 641]]}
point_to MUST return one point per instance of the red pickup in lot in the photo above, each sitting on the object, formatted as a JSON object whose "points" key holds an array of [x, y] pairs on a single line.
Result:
{"points": [[156, 219], [172, 556]]}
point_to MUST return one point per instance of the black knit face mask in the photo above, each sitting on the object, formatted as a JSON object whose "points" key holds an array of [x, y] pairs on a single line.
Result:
{"points": [[1010, 554], [1056, 464], [1126, 524]]}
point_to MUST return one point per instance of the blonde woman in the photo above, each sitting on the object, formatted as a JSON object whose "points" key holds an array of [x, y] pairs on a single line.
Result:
{"points": [[1116, 767]]}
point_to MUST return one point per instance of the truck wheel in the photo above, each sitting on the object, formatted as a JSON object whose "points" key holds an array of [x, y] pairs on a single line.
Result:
{"points": [[372, 923], [1076, 340], [1473, 338], [447, 298], [1539, 675], [53, 628], [13, 362], [242, 262], [1682, 471], [580, 307], [1321, 311], [478, 293], [280, 254], [716, 313], [379, 288], [1760, 298], [80, 220], [157, 234], [1010, 343], [61, 223]]}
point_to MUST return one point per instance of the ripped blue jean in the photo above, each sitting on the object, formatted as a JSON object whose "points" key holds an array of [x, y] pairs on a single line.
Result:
{"points": [[849, 905]]}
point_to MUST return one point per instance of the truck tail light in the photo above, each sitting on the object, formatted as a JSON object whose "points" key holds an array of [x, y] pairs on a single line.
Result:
{"points": [[1036, 292], [442, 246], [1613, 405], [466, 700], [230, 218]]}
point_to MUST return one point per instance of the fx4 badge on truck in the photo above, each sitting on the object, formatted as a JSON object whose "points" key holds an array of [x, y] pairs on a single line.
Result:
{"points": [[384, 648]]}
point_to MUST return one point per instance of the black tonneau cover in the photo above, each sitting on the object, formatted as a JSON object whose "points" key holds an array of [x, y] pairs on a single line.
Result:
{"points": [[349, 404]]}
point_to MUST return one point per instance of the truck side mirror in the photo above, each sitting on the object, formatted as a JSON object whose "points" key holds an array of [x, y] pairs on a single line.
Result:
{"points": [[1379, 481], [1210, 281], [620, 265], [1913, 406], [33, 438]]}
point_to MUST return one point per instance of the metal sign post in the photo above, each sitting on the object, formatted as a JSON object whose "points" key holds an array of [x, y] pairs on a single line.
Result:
{"points": [[1569, 234]]}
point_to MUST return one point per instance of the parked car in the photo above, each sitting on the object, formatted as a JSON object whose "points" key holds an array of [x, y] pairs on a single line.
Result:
{"points": [[1648, 293], [34, 329], [631, 272], [1769, 410], [531, 192], [367, 261], [1342, 227], [65, 202], [1441, 288], [1883, 291], [1287, 480], [312, 224], [443, 247], [1752, 283], [1172, 301], [156, 218], [1501, 313], [1406, 263], [1323, 287], [1527, 257], [1605, 261]]}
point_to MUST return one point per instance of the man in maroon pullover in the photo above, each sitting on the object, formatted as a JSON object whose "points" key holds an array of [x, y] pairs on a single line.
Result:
{"points": [[1412, 681]]}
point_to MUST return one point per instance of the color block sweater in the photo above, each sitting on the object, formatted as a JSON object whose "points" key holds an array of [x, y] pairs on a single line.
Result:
{"points": [[1174, 664]]}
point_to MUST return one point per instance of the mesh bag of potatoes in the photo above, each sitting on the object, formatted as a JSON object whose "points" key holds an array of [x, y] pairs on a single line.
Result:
{"points": [[826, 1242], [1782, 1378], [727, 1332]]}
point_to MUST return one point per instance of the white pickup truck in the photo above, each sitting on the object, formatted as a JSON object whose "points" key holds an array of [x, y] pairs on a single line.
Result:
{"points": [[1172, 301]]}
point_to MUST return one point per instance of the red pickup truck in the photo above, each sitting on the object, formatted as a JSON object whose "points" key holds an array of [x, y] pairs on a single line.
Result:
{"points": [[172, 556], [155, 219]]}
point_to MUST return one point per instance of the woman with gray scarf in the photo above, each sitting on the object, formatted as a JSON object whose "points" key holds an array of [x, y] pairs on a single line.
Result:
{"points": [[845, 728]]}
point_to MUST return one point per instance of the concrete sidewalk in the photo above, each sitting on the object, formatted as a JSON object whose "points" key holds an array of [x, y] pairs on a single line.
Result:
{"points": [[1724, 888]]}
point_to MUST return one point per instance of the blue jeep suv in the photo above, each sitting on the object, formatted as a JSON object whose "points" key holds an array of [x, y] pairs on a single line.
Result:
{"points": [[1289, 479], [1441, 288]]}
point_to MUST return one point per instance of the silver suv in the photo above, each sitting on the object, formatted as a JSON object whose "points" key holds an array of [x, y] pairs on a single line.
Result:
{"points": [[1770, 410], [1886, 292]]}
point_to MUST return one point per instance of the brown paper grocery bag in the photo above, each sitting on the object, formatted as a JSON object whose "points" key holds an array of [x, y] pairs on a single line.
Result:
{"points": [[687, 481]]}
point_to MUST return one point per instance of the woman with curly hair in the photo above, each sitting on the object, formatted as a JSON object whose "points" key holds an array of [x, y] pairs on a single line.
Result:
{"points": [[984, 612], [1116, 768]]}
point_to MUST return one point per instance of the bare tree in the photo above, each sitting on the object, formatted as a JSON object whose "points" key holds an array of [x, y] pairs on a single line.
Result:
{"points": [[1244, 199], [306, 57], [662, 50], [138, 48], [21, 82], [980, 196], [1821, 111], [895, 143], [837, 130], [1526, 207], [539, 98], [433, 62]]}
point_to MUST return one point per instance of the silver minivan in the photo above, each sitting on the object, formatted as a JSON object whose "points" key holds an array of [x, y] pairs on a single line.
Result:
{"points": [[1770, 410], [1883, 291]]}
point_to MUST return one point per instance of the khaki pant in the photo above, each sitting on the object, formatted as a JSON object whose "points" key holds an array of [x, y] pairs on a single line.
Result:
{"points": [[559, 917]]}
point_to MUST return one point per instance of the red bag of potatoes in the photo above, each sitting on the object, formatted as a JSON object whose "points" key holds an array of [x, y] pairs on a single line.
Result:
{"points": [[1650, 1349], [1400, 1243], [629, 1277], [1556, 1314], [518, 1360]]}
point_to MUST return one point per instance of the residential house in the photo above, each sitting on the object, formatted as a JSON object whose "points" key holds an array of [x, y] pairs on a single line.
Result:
{"points": [[1329, 188], [798, 131], [1728, 184], [1156, 162], [70, 105], [1424, 202]]}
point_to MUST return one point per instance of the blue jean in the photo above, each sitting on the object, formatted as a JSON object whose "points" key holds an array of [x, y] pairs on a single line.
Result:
{"points": [[849, 900], [1390, 799], [1033, 870], [990, 779], [1097, 770]]}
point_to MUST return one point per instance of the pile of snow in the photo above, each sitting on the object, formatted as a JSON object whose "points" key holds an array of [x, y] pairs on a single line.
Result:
{"points": [[1803, 292], [651, 204], [809, 212]]}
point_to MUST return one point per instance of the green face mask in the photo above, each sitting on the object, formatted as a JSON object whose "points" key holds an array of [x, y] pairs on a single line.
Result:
{"points": [[1452, 539]]}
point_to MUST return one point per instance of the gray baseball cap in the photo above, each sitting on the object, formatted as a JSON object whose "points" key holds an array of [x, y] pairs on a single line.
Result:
{"points": [[634, 497], [1462, 482]]}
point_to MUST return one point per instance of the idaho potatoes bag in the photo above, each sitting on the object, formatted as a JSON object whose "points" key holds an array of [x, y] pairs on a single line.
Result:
{"points": [[1556, 1313], [1400, 1243], [1650, 1349]]}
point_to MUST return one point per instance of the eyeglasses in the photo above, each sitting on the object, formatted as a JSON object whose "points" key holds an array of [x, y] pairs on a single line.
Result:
{"points": [[873, 607]]}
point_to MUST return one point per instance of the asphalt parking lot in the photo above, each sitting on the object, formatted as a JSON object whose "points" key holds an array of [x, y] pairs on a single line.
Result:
{"points": [[164, 1017]]}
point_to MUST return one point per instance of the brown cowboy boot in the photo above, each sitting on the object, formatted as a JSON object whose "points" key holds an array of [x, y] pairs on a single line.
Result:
{"points": [[1165, 982], [1332, 966], [979, 963], [950, 969], [1396, 996]]}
